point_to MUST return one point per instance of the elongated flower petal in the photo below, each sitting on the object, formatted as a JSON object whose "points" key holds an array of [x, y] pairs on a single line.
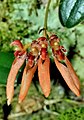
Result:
{"points": [[44, 75], [67, 76], [72, 72], [18, 62], [26, 81]]}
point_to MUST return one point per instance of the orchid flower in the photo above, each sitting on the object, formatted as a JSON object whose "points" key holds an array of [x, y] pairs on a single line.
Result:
{"points": [[66, 69], [20, 55], [38, 57]]}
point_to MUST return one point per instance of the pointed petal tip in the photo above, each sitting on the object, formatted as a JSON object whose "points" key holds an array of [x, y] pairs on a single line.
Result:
{"points": [[8, 102], [19, 101], [46, 94], [79, 93]]}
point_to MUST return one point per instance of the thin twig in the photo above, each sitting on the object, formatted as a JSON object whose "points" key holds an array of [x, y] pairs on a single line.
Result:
{"points": [[49, 111], [17, 114]]}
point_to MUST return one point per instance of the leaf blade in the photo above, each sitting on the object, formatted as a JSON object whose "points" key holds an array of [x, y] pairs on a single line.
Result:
{"points": [[6, 59], [71, 12]]}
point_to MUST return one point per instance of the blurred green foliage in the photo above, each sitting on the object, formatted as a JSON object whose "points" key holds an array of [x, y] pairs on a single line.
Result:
{"points": [[5, 64], [22, 19]]}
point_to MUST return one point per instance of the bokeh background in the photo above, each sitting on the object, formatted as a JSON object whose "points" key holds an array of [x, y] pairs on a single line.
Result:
{"points": [[22, 19]]}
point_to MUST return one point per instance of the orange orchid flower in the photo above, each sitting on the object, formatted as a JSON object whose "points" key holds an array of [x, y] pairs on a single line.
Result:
{"points": [[65, 69], [38, 56], [20, 55]]}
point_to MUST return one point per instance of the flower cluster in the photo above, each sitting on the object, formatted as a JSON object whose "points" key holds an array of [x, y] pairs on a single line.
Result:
{"points": [[38, 56]]}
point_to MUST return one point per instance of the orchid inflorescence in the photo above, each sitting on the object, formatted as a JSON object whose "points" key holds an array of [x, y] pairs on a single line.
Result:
{"points": [[38, 56]]}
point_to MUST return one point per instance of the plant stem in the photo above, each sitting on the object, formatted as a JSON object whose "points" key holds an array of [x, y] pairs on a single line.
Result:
{"points": [[46, 17]]}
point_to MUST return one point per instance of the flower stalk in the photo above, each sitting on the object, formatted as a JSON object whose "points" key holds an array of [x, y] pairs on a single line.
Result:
{"points": [[46, 17]]}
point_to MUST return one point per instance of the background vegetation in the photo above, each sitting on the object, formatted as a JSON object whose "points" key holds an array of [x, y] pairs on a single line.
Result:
{"points": [[22, 19]]}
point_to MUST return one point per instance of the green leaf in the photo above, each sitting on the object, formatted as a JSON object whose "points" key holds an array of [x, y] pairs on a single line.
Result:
{"points": [[6, 60], [71, 12]]}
